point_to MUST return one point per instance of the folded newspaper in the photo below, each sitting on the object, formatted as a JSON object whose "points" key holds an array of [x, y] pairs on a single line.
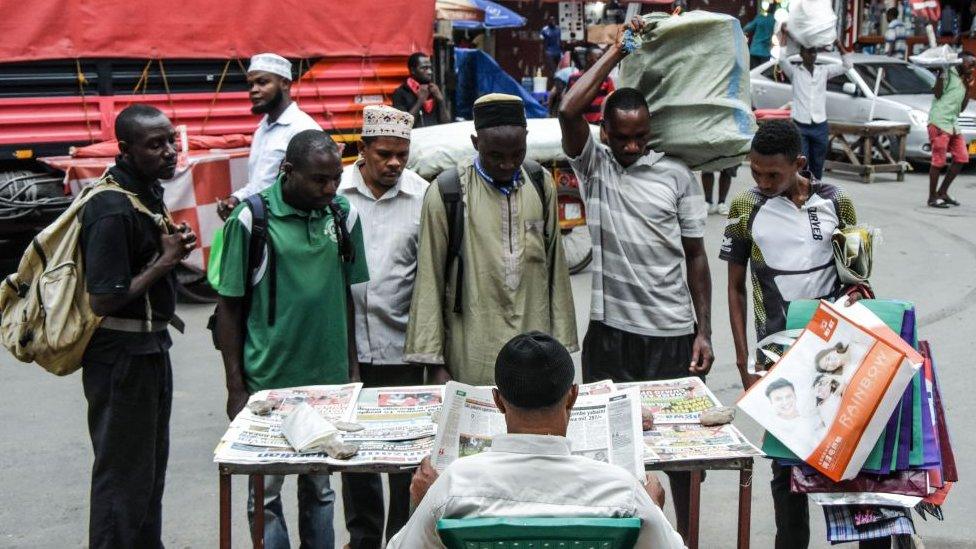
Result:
{"points": [[830, 396], [604, 425], [307, 431]]}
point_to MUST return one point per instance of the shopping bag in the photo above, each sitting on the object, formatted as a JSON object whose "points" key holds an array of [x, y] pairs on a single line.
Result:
{"points": [[830, 396]]}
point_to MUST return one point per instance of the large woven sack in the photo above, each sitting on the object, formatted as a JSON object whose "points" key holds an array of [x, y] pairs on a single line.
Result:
{"points": [[812, 23], [693, 69]]}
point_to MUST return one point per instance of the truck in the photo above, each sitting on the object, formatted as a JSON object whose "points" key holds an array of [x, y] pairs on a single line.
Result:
{"points": [[68, 67]]}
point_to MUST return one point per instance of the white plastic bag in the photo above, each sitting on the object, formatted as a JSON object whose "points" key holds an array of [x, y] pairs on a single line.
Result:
{"points": [[942, 56], [812, 23]]}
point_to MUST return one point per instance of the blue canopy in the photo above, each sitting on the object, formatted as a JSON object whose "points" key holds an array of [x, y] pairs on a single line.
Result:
{"points": [[479, 74], [496, 17]]}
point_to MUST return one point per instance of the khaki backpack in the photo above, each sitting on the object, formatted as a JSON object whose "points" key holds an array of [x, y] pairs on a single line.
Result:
{"points": [[45, 315]]}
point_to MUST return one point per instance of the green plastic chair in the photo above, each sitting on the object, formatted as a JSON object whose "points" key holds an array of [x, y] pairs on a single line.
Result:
{"points": [[539, 533]]}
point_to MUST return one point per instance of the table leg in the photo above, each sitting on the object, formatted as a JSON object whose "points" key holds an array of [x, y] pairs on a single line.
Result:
{"points": [[257, 533], [745, 506], [225, 484], [694, 508]]}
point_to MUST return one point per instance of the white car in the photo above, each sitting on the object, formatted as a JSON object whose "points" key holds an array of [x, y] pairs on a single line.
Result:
{"points": [[904, 95]]}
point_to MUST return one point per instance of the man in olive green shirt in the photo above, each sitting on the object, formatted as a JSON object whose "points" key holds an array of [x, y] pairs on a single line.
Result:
{"points": [[289, 323], [514, 276], [951, 97]]}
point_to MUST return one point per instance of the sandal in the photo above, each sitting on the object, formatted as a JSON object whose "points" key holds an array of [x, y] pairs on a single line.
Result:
{"points": [[938, 203], [951, 201]]}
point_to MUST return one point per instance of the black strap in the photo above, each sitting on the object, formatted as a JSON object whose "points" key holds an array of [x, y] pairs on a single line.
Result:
{"points": [[347, 253], [449, 185], [537, 176], [260, 241]]}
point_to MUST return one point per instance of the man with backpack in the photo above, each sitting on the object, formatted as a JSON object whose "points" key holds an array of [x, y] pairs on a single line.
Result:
{"points": [[284, 317], [490, 263], [129, 250]]}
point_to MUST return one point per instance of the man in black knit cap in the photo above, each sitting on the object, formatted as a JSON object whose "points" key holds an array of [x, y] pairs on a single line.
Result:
{"points": [[530, 471]]}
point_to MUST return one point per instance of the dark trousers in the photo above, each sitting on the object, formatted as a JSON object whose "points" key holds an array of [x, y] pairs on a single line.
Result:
{"points": [[609, 353], [756, 60], [129, 403], [813, 143], [362, 493], [791, 511]]}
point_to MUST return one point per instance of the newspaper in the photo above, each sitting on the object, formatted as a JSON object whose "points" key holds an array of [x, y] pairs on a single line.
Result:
{"points": [[675, 400], [306, 430], [603, 425], [692, 441], [397, 413]]}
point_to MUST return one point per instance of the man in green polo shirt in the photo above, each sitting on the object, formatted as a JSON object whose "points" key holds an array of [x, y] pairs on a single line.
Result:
{"points": [[296, 328], [951, 97]]}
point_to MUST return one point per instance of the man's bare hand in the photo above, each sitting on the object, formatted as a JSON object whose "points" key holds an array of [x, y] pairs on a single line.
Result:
{"points": [[423, 478], [236, 400], [747, 379], [702, 356], [435, 91], [655, 490], [423, 94], [226, 206], [438, 374], [636, 26], [176, 247]]}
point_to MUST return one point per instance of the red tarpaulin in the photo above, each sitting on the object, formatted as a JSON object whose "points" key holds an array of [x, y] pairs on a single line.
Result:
{"points": [[208, 29]]}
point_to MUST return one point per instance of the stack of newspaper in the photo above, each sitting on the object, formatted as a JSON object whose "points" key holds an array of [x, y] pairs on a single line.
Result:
{"points": [[397, 421]]}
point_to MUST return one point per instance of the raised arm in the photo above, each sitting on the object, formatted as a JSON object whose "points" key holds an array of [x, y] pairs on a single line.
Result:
{"points": [[575, 129]]}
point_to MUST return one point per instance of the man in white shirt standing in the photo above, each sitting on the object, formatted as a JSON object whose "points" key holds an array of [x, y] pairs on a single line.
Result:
{"points": [[389, 199], [530, 471], [269, 80], [810, 101]]}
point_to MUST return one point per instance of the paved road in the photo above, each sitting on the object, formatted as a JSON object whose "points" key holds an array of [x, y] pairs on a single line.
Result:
{"points": [[928, 257]]}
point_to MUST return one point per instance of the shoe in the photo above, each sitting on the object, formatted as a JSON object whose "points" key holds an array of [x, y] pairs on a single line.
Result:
{"points": [[723, 208], [938, 203], [950, 201], [712, 208]]}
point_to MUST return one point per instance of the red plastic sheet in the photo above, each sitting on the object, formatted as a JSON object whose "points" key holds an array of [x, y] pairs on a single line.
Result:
{"points": [[212, 29]]}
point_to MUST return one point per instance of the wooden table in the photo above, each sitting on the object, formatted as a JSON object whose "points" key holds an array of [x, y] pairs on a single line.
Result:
{"points": [[257, 472], [858, 143]]}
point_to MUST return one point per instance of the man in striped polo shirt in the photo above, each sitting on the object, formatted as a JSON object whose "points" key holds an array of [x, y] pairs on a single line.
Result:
{"points": [[646, 214]]}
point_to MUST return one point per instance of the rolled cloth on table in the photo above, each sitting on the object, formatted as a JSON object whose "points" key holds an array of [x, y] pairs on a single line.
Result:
{"points": [[693, 69]]}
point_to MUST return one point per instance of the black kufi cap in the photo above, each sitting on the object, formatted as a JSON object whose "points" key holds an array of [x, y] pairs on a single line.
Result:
{"points": [[533, 370], [498, 109]]}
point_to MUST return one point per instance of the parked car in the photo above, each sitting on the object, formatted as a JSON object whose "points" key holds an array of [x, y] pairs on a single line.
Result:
{"points": [[904, 95]]}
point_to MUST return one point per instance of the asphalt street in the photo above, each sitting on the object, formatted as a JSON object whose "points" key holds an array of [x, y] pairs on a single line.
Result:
{"points": [[928, 257]]}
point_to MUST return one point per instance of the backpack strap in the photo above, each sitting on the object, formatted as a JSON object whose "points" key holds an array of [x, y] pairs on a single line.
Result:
{"points": [[449, 185], [259, 242], [537, 176]]}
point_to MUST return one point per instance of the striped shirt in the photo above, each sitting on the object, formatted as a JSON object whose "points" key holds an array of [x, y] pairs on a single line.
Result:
{"points": [[637, 217]]}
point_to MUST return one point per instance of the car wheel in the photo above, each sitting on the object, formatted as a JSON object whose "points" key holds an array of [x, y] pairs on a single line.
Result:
{"points": [[578, 249]]}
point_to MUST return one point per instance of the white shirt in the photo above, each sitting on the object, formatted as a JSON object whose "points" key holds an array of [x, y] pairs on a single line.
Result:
{"points": [[391, 232], [810, 90], [268, 148], [534, 476]]}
